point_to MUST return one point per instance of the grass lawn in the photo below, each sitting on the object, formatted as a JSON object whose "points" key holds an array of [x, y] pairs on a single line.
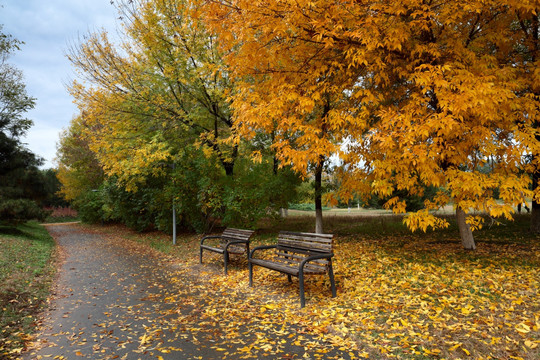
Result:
{"points": [[400, 295], [26, 272]]}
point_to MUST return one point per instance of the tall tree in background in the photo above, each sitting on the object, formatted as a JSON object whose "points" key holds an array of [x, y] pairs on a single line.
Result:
{"points": [[159, 98], [78, 169], [162, 87], [425, 94], [20, 180], [526, 56], [288, 84]]}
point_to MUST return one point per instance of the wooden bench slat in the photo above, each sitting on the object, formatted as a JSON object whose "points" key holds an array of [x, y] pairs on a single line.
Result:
{"points": [[299, 258], [311, 266], [304, 238], [308, 241], [237, 233], [328, 237], [306, 245], [213, 248], [284, 268]]}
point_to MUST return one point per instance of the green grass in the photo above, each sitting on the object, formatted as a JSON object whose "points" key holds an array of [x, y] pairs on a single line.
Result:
{"points": [[26, 273]]}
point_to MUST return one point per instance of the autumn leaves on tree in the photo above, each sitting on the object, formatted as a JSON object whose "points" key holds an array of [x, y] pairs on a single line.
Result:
{"points": [[410, 95]]}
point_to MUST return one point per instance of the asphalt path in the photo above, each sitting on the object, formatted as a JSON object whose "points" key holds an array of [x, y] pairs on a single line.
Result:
{"points": [[112, 301]]}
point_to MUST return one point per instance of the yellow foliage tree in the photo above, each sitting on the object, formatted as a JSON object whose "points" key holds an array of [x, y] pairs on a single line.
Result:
{"points": [[423, 93], [78, 169], [287, 83], [162, 86]]}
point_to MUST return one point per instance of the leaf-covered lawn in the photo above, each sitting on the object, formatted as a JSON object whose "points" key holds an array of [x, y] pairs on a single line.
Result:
{"points": [[404, 296], [25, 277]]}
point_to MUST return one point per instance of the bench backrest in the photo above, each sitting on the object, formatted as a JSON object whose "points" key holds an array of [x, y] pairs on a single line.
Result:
{"points": [[231, 234], [308, 242], [294, 247]]}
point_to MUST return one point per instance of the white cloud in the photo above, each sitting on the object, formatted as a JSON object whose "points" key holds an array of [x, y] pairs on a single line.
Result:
{"points": [[47, 28]]}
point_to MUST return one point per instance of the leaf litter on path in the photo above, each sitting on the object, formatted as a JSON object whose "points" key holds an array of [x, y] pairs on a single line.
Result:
{"points": [[117, 299]]}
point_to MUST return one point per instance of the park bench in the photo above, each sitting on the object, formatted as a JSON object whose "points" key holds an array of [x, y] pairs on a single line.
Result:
{"points": [[297, 254], [231, 241]]}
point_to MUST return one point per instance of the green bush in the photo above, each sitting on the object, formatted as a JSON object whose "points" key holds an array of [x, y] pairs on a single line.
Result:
{"points": [[90, 207], [17, 211]]}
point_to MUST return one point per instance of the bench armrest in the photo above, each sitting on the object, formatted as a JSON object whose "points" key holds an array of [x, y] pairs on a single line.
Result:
{"points": [[314, 257], [210, 237], [263, 247], [236, 242]]}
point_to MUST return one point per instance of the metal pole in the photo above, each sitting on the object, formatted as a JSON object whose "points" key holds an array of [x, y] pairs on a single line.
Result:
{"points": [[173, 213], [174, 223]]}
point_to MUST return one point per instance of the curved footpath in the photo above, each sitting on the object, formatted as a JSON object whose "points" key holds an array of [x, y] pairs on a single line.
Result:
{"points": [[111, 302]]}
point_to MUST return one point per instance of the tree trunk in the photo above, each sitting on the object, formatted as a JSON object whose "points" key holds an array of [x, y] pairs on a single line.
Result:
{"points": [[229, 168], [535, 211], [318, 197], [465, 231], [535, 217]]}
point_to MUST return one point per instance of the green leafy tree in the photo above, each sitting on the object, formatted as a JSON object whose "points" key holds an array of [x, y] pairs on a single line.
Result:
{"points": [[52, 188], [157, 98], [20, 181], [79, 171]]}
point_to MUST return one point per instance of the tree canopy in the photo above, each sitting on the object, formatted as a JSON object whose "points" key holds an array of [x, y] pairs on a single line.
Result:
{"points": [[20, 180], [428, 92], [154, 112], [412, 95]]}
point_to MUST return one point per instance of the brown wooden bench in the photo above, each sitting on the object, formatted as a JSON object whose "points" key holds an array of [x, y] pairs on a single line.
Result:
{"points": [[231, 241], [298, 254]]}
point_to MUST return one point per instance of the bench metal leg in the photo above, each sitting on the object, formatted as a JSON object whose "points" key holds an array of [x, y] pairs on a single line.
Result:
{"points": [[301, 282], [200, 257], [226, 260], [332, 282], [250, 267], [289, 277]]}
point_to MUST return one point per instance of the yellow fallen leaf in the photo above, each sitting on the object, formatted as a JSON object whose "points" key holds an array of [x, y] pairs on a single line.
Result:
{"points": [[523, 328], [531, 344], [144, 339]]}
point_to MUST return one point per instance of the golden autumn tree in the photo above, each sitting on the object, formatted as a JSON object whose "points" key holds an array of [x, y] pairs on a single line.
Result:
{"points": [[78, 169], [160, 87], [424, 93], [526, 56], [287, 84], [156, 109]]}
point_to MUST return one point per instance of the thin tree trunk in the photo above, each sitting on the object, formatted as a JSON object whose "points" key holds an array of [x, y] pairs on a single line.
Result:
{"points": [[535, 206], [535, 217], [535, 211], [318, 197], [465, 231]]}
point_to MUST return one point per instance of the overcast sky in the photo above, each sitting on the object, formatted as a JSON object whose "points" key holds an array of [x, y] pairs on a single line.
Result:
{"points": [[47, 28]]}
